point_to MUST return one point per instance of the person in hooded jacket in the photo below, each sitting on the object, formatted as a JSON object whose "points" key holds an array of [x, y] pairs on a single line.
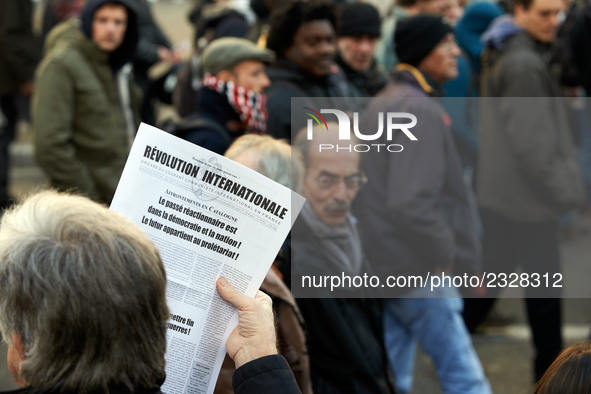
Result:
{"points": [[85, 108]]}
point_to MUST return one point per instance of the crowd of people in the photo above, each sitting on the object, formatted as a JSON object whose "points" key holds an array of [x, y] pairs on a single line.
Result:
{"points": [[493, 167]]}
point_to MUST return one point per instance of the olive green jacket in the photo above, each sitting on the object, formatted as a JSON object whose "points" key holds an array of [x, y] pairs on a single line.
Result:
{"points": [[81, 137]]}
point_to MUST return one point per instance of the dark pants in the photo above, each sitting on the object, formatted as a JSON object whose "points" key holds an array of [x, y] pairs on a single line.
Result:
{"points": [[533, 247]]}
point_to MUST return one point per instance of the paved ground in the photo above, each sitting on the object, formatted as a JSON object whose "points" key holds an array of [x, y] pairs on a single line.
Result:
{"points": [[505, 353]]}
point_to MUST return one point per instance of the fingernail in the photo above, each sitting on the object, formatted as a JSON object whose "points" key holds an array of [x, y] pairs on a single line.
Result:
{"points": [[223, 281]]}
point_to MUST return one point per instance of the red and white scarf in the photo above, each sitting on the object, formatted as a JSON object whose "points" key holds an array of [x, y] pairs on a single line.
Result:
{"points": [[250, 106]]}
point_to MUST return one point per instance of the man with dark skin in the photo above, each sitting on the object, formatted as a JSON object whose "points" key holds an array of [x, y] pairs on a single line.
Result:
{"points": [[303, 38]]}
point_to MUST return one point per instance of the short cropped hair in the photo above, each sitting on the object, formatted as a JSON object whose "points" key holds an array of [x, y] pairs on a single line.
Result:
{"points": [[288, 20], [85, 291], [273, 158]]}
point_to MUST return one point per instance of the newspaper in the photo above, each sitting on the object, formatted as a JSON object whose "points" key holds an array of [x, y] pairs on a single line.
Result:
{"points": [[208, 216]]}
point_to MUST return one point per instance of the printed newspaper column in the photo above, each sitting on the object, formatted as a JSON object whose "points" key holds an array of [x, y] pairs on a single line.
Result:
{"points": [[209, 217]]}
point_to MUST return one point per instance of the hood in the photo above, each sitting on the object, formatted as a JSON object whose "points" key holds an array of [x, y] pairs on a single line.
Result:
{"points": [[125, 52], [63, 34], [499, 31], [472, 25]]}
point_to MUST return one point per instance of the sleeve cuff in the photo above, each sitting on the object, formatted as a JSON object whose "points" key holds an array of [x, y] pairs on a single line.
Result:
{"points": [[269, 373]]}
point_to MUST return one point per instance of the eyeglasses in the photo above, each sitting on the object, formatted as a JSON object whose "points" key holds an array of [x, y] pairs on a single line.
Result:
{"points": [[352, 182]]}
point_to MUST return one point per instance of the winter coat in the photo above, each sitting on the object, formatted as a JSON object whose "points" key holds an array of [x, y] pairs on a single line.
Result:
{"points": [[413, 213], [288, 81], [216, 111], [364, 83], [527, 165], [150, 38], [345, 335], [81, 135]]}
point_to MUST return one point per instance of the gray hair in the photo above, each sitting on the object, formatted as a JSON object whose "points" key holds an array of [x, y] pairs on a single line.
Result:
{"points": [[85, 291], [302, 144], [272, 158]]}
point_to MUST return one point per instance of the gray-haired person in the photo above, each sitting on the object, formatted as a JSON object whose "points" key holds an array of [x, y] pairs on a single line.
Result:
{"points": [[83, 305], [270, 157], [276, 160]]}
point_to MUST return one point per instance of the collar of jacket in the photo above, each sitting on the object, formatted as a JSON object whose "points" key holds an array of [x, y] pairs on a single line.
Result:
{"points": [[406, 71], [524, 39], [348, 70], [91, 50], [216, 106], [366, 76], [285, 69]]}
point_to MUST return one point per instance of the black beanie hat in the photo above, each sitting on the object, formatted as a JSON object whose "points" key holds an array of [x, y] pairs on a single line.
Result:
{"points": [[416, 36], [357, 19]]}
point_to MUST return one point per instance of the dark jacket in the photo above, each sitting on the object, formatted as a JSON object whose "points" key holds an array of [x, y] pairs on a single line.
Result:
{"points": [[268, 375], [81, 135], [150, 38], [527, 164], [345, 335], [213, 20], [288, 81], [363, 83], [20, 51], [207, 126], [414, 214]]}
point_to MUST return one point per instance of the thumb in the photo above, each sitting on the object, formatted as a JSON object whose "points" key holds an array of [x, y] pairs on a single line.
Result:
{"points": [[230, 294]]}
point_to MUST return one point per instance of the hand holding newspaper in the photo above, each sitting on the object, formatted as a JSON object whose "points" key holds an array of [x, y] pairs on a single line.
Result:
{"points": [[209, 217]]}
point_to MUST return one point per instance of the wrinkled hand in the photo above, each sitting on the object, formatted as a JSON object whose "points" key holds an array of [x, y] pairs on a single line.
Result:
{"points": [[254, 337]]}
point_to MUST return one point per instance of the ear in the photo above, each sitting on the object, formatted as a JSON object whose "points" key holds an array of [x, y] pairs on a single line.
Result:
{"points": [[15, 358], [225, 75], [518, 11], [18, 345]]}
